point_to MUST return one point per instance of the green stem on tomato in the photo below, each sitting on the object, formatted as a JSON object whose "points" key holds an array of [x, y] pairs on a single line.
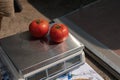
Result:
{"points": [[38, 21], [57, 27]]}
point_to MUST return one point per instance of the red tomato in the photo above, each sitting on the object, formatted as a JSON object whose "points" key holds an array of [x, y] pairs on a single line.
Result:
{"points": [[39, 28], [59, 33]]}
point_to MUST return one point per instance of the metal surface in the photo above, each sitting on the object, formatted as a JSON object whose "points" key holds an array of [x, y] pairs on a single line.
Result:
{"points": [[28, 54], [63, 66], [96, 47]]}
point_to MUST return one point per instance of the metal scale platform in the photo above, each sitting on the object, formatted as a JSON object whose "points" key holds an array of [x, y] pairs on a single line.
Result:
{"points": [[28, 58]]}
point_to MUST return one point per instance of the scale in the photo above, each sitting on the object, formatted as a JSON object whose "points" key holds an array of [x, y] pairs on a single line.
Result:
{"points": [[28, 58]]}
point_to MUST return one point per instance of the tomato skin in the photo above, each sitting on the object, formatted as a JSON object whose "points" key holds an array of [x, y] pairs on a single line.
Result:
{"points": [[59, 33], [39, 28]]}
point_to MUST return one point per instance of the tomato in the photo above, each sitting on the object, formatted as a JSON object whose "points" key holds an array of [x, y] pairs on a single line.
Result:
{"points": [[39, 28], [59, 32]]}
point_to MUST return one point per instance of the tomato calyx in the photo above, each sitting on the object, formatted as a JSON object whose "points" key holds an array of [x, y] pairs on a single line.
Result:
{"points": [[38, 21], [58, 27]]}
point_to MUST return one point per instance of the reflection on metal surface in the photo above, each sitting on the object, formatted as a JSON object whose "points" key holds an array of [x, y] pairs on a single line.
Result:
{"points": [[73, 61], [38, 76], [31, 57], [62, 67], [55, 69]]}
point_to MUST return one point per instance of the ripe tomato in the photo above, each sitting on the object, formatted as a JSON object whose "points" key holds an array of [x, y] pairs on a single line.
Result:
{"points": [[39, 28], [59, 33]]}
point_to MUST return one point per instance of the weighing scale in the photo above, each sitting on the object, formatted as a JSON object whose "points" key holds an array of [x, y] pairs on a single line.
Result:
{"points": [[28, 58]]}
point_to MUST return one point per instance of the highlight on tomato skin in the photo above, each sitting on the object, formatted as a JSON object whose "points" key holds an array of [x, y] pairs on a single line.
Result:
{"points": [[39, 28], [59, 33]]}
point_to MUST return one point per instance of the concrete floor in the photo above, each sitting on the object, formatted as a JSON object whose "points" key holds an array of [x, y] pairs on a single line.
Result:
{"points": [[32, 10]]}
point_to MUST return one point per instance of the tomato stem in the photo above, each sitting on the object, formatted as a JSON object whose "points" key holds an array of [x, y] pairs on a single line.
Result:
{"points": [[57, 27], [37, 21]]}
